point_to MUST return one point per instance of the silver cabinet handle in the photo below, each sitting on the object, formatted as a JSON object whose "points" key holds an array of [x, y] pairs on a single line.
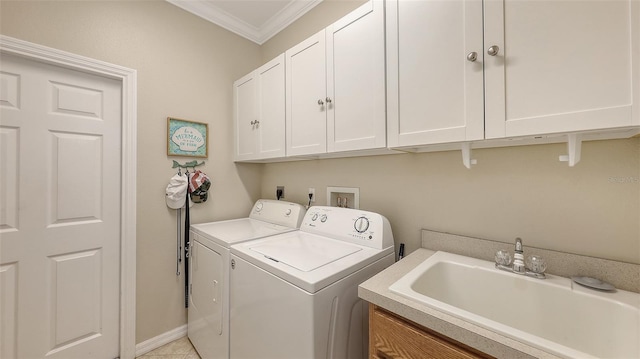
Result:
{"points": [[472, 57], [328, 100], [320, 102], [493, 50]]}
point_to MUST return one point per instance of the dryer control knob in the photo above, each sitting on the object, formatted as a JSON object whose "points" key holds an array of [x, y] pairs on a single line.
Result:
{"points": [[287, 212], [314, 217], [259, 206], [323, 218], [361, 224]]}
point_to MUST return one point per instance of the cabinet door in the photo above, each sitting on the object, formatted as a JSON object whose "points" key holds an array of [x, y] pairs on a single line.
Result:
{"points": [[561, 66], [356, 117], [245, 113], [434, 94], [391, 336], [306, 97], [271, 108]]}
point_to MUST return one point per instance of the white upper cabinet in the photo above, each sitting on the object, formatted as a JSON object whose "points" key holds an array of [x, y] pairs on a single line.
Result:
{"points": [[434, 94], [306, 124], [259, 112], [356, 116], [245, 113], [562, 66], [336, 86], [533, 68]]}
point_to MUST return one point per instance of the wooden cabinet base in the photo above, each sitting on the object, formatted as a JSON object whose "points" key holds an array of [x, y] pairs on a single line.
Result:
{"points": [[391, 336]]}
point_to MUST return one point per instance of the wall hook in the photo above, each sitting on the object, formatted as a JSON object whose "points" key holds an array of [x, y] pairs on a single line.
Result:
{"points": [[187, 165]]}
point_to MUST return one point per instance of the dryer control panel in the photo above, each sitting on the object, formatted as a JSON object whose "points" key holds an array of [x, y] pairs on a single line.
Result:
{"points": [[350, 225], [284, 213]]}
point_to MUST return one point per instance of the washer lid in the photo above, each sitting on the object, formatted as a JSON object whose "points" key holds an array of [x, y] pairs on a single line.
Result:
{"points": [[304, 253]]}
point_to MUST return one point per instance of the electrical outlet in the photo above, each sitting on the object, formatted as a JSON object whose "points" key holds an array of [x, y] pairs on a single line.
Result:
{"points": [[279, 192], [312, 193]]}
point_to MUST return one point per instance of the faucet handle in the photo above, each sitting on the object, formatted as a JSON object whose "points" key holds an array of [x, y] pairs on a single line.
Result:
{"points": [[503, 257], [536, 264]]}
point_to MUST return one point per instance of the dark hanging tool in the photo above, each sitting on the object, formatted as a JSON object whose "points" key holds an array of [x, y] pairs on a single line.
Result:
{"points": [[187, 245]]}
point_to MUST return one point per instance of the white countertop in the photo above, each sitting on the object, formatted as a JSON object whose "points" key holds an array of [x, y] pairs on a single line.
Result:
{"points": [[376, 291]]}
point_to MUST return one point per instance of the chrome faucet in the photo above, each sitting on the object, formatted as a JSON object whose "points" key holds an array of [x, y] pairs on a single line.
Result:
{"points": [[518, 258], [536, 264]]}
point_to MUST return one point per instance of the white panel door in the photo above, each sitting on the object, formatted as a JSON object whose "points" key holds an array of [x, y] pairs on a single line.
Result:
{"points": [[561, 66], [306, 97], [356, 116], [271, 107], [434, 94], [245, 115], [60, 229]]}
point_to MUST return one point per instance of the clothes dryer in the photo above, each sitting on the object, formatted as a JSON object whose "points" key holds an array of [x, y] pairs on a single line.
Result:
{"points": [[208, 313], [295, 295]]}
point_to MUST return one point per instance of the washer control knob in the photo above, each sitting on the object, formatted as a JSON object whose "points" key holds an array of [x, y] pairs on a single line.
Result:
{"points": [[323, 218], [259, 206], [287, 212], [361, 224], [314, 217]]}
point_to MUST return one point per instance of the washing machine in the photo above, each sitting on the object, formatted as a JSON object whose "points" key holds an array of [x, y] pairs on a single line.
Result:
{"points": [[295, 295], [208, 313]]}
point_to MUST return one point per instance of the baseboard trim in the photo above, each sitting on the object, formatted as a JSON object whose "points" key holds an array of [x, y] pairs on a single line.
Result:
{"points": [[160, 340]]}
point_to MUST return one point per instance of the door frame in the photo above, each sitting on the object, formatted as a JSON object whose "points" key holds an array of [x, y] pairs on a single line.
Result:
{"points": [[128, 78]]}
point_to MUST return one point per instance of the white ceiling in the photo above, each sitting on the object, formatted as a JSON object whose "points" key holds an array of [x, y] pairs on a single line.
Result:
{"points": [[256, 20]]}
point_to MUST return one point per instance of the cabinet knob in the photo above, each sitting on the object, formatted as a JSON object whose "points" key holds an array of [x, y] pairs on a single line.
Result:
{"points": [[472, 57], [320, 102], [254, 122], [493, 50], [328, 100]]}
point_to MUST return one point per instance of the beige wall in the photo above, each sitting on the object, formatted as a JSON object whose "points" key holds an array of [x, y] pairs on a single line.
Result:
{"points": [[186, 67], [592, 209]]}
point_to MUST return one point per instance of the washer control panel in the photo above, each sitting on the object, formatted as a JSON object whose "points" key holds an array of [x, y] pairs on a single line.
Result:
{"points": [[349, 225]]}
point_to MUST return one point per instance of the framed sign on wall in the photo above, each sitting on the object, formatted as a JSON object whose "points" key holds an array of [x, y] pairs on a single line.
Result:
{"points": [[187, 138]]}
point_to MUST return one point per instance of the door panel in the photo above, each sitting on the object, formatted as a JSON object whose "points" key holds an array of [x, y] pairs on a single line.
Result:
{"points": [[207, 315], [74, 198], [435, 95], [547, 54], [60, 134], [75, 288], [356, 80], [245, 113], [271, 142], [306, 94], [8, 310]]}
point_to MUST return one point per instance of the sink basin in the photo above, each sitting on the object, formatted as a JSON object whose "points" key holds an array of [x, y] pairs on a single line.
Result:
{"points": [[553, 314]]}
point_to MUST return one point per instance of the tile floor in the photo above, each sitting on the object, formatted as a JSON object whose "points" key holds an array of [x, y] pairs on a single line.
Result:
{"points": [[178, 349]]}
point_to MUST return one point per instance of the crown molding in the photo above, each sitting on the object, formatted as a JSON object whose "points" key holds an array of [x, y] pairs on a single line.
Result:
{"points": [[212, 13]]}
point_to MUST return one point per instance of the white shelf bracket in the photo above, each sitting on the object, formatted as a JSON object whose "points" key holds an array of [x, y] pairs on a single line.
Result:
{"points": [[574, 148], [466, 155]]}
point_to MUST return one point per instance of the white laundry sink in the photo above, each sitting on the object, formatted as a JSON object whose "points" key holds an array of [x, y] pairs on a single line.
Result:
{"points": [[553, 314]]}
